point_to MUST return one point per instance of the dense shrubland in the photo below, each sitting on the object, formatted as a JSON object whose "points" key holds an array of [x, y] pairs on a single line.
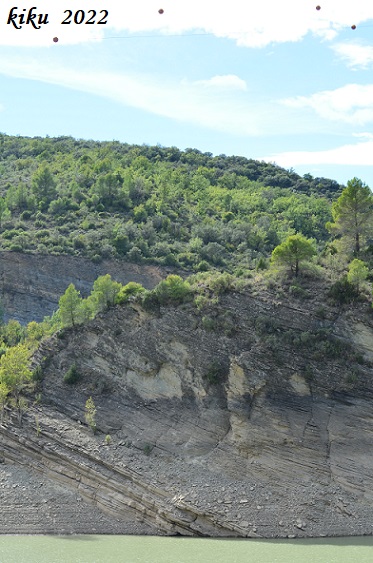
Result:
{"points": [[152, 204]]}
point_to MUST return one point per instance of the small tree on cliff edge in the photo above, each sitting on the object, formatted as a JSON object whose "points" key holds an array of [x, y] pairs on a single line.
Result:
{"points": [[70, 306], [294, 250]]}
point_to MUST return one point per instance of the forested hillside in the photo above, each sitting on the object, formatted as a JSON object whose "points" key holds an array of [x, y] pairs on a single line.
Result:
{"points": [[157, 205]]}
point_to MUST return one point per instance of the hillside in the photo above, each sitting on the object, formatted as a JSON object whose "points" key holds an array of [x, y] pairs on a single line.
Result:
{"points": [[187, 209], [186, 344]]}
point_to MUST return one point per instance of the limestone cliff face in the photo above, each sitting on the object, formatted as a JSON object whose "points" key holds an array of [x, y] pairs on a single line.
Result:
{"points": [[31, 284], [259, 426]]}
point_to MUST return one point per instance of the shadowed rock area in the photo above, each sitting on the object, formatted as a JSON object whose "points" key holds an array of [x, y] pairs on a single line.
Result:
{"points": [[259, 426]]}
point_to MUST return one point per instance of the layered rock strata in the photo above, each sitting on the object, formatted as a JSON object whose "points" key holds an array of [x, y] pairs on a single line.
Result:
{"points": [[250, 419]]}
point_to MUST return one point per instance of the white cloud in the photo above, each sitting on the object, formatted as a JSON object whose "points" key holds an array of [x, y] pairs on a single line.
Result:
{"points": [[364, 135], [251, 24], [354, 54], [223, 82], [352, 103], [359, 154], [222, 105]]}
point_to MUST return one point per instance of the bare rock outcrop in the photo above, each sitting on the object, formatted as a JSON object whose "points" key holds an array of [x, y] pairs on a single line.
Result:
{"points": [[255, 422]]}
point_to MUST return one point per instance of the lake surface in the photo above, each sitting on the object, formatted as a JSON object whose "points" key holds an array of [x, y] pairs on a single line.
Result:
{"points": [[140, 549]]}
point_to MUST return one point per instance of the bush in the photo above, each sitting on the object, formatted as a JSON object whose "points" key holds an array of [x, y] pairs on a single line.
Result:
{"points": [[215, 373], [172, 290], [26, 215], [265, 325], [37, 374], [132, 289], [72, 375], [209, 323], [203, 266], [298, 291], [342, 291], [150, 302]]}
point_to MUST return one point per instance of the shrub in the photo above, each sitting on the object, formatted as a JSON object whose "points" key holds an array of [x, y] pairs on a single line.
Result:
{"points": [[132, 289], [148, 448], [203, 266], [26, 215], [37, 374], [72, 375], [215, 373], [150, 301], [172, 290], [298, 291], [265, 325], [90, 414], [342, 291], [209, 323]]}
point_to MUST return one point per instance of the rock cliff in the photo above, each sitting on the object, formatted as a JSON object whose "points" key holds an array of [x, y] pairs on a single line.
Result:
{"points": [[251, 418], [31, 284]]}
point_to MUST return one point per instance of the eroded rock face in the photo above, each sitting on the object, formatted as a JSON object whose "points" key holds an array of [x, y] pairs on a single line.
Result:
{"points": [[254, 428]]}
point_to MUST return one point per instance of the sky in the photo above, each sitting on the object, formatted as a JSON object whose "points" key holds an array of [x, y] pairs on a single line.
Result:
{"points": [[288, 82]]}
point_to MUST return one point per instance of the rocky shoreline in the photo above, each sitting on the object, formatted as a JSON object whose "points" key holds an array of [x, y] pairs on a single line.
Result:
{"points": [[33, 504], [181, 499]]}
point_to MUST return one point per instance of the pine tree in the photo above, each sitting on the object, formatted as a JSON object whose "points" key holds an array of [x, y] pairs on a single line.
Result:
{"points": [[294, 250], [44, 187], [353, 215], [70, 307]]}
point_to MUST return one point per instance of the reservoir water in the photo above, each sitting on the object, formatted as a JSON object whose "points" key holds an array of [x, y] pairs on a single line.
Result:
{"points": [[140, 549]]}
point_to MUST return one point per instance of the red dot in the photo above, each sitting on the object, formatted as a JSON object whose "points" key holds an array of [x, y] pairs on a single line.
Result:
{"points": [[160, 11], [55, 39], [318, 7], [353, 26]]}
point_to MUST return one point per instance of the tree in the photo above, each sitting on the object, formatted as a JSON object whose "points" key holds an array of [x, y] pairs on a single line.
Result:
{"points": [[105, 292], [44, 186], [353, 214], [4, 392], [19, 198], [294, 250], [16, 376], [70, 306], [357, 273], [90, 414], [4, 211]]}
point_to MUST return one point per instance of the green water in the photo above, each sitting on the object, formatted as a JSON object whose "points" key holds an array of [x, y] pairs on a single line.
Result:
{"points": [[136, 549]]}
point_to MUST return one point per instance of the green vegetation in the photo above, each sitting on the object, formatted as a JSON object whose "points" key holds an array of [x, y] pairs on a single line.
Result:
{"points": [[357, 273], [90, 414], [154, 205], [72, 375], [353, 216], [158, 205], [15, 378], [294, 250]]}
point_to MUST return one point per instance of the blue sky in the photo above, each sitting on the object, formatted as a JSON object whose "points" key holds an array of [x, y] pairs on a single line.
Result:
{"points": [[277, 81]]}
